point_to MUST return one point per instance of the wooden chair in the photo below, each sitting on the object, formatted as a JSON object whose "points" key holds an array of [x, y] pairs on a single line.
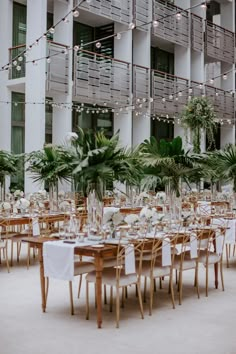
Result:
{"points": [[115, 276], [4, 234]]}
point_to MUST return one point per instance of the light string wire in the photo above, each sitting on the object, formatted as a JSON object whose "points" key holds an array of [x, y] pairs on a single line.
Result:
{"points": [[132, 26]]}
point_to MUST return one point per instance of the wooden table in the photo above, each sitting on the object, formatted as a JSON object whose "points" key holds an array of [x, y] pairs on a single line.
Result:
{"points": [[99, 255]]}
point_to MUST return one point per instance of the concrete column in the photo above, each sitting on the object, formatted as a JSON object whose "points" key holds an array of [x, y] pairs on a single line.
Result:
{"points": [[141, 56], [35, 82], [5, 94], [62, 118], [123, 51]]}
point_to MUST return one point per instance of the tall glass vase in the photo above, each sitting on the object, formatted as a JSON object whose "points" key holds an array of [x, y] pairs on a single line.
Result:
{"points": [[53, 197], [95, 212], [2, 191]]}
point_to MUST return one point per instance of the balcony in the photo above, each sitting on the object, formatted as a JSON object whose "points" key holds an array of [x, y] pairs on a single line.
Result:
{"points": [[99, 79], [142, 13], [197, 34], [57, 70], [167, 86], [222, 101], [115, 10], [15, 52], [170, 27], [219, 43]]}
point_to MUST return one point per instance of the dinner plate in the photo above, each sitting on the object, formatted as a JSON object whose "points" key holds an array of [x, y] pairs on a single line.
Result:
{"points": [[97, 246]]}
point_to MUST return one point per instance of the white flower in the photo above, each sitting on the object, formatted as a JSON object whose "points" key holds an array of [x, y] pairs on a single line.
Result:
{"points": [[18, 193], [148, 213], [117, 218], [24, 203], [6, 206], [64, 205], [131, 219], [161, 196], [71, 136], [107, 216]]}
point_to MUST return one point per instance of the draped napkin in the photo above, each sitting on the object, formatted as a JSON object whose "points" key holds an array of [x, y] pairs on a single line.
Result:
{"points": [[166, 253], [58, 260], [193, 245], [129, 259]]}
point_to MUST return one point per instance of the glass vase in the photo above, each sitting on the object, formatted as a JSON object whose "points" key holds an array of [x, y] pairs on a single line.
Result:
{"points": [[53, 197]]}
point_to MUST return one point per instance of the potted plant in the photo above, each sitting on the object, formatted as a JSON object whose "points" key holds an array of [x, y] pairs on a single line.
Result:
{"points": [[199, 116], [8, 167]]}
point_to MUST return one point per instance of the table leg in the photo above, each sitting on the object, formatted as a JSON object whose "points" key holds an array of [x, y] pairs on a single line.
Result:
{"points": [[98, 268], [42, 280], [216, 275]]}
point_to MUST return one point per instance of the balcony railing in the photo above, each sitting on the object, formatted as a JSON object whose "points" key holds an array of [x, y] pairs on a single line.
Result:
{"points": [[173, 89], [219, 43], [142, 13], [170, 27], [222, 101], [99, 79], [197, 34], [15, 52], [116, 10], [57, 69]]}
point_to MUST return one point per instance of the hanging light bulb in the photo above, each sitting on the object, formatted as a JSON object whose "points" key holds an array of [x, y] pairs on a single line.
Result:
{"points": [[178, 16], [204, 5], [52, 30], [118, 36], [98, 45], [211, 81], [180, 93], [65, 20], [20, 59], [76, 13], [48, 60], [155, 24], [171, 97], [15, 63], [131, 26], [225, 77], [88, 1], [76, 48], [151, 99], [163, 99], [18, 68], [45, 35], [201, 86], [190, 90]]}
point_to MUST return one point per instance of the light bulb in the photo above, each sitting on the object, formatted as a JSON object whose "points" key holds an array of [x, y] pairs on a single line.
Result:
{"points": [[52, 30], [171, 97], [118, 36], [76, 48], [131, 26], [88, 1], [45, 35], [20, 59], [190, 90], [98, 45], [180, 93], [211, 81], [16, 104], [76, 13], [178, 16], [65, 20], [163, 99], [155, 24], [151, 99], [15, 63], [204, 5], [225, 77], [18, 68], [48, 60]]}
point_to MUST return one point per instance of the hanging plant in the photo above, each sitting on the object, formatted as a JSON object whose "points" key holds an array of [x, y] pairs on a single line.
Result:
{"points": [[199, 115]]}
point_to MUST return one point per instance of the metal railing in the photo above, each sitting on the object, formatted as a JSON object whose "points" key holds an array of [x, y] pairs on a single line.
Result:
{"points": [[142, 10], [101, 79], [170, 27], [116, 10], [15, 52], [165, 86], [219, 43], [197, 33], [58, 68]]}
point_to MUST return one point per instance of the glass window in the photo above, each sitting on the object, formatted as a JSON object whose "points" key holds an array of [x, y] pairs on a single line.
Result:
{"points": [[162, 60], [48, 121], [49, 25], [19, 24], [95, 121], [162, 130]]}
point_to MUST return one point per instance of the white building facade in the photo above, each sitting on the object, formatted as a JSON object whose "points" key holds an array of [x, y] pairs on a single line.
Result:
{"points": [[127, 65]]}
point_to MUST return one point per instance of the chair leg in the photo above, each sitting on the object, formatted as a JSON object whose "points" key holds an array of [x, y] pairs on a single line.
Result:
{"points": [[196, 281], [140, 300], [126, 292], [87, 300], [71, 298], [160, 283], [105, 294], [123, 298], [111, 298], [117, 307], [207, 279], [227, 255], [80, 284], [18, 250], [6, 254], [171, 289], [145, 289], [180, 286], [47, 288], [151, 290], [11, 253], [234, 250], [221, 275]]}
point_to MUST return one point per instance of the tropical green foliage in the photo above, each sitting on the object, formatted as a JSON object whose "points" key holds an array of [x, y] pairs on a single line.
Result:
{"points": [[165, 161], [8, 167], [99, 161], [50, 165], [199, 115]]}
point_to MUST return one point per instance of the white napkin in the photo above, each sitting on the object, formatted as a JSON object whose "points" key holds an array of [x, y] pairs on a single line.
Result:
{"points": [[193, 246], [230, 232], [58, 260], [219, 242], [166, 253], [35, 225], [129, 259]]}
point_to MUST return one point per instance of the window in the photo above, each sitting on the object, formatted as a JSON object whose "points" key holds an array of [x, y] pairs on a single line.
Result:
{"points": [[19, 24], [96, 121], [162, 60], [48, 121], [162, 130]]}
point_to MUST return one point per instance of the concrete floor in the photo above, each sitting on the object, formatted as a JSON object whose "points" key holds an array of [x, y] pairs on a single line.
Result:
{"points": [[203, 326]]}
